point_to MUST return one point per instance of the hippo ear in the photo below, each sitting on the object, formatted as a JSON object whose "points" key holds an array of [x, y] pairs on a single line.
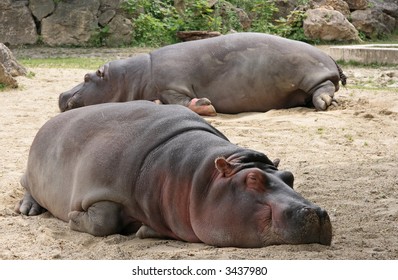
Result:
{"points": [[224, 167], [276, 162], [102, 72]]}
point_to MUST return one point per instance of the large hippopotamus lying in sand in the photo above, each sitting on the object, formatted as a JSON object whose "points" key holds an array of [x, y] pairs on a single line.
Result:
{"points": [[241, 72], [164, 171]]}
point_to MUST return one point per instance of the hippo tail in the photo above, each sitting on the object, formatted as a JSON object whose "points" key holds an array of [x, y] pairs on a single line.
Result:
{"points": [[343, 77]]}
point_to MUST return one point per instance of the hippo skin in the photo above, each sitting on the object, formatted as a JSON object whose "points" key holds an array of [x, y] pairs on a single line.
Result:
{"points": [[164, 171], [241, 72]]}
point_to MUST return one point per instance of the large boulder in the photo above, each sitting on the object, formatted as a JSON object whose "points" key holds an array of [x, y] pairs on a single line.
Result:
{"points": [[18, 26], [9, 67], [357, 4], [389, 7], [329, 25], [373, 23], [120, 32], [41, 8], [73, 23], [337, 5]]}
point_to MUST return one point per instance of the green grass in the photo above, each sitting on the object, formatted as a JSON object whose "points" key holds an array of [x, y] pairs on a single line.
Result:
{"points": [[60, 62]]}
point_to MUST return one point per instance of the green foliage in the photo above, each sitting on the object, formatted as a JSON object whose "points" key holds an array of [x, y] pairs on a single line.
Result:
{"points": [[292, 26], [99, 37], [2, 86], [199, 16], [155, 23], [262, 15]]}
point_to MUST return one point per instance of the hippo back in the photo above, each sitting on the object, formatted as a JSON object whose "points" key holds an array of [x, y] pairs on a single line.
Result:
{"points": [[82, 151]]}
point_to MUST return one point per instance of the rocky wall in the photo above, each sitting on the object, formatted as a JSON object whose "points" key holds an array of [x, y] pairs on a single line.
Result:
{"points": [[79, 23]]}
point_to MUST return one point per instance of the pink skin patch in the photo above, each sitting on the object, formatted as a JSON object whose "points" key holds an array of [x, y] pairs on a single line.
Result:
{"points": [[202, 107]]}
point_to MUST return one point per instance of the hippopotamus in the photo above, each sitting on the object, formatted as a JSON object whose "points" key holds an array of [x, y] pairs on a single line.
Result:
{"points": [[235, 73], [163, 171]]}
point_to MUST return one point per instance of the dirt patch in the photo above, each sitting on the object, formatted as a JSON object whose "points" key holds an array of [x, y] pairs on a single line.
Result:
{"points": [[344, 160]]}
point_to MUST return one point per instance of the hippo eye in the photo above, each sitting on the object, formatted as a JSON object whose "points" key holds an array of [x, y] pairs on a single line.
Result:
{"points": [[86, 78], [254, 181]]}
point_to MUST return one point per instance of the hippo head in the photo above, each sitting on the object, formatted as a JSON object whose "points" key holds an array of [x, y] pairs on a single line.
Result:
{"points": [[95, 89], [252, 204]]}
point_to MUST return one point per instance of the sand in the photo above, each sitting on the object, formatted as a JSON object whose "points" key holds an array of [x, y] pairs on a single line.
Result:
{"points": [[344, 159]]}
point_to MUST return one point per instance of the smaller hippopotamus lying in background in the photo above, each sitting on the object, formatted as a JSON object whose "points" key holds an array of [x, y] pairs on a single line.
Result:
{"points": [[165, 172], [241, 72]]}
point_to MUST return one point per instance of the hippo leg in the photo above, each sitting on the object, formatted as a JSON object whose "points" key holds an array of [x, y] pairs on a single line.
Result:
{"points": [[29, 206], [323, 96], [201, 106], [101, 219], [147, 232]]}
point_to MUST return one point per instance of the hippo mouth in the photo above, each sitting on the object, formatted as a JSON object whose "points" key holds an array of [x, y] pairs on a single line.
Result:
{"points": [[67, 100]]}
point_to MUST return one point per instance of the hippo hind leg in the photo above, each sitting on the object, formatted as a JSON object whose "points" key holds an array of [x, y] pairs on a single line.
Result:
{"points": [[28, 206], [201, 106], [323, 96], [101, 219]]}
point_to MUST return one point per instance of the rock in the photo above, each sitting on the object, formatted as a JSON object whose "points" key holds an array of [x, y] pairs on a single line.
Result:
{"points": [[106, 17], [329, 25], [9, 67], [337, 5], [6, 79], [9, 62], [389, 7], [357, 4], [120, 32], [373, 23], [73, 23], [285, 7], [109, 4], [20, 26], [41, 8]]}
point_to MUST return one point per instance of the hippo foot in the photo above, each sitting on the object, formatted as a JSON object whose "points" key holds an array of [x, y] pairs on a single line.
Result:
{"points": [[147, 232], [324, 101], [28, 206], [323, 97], [202, 106], [101, 219]]}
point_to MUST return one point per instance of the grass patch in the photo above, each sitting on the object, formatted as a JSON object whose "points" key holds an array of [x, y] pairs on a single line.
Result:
{"points": [[63, 62], [373, 65], [2, 86]]}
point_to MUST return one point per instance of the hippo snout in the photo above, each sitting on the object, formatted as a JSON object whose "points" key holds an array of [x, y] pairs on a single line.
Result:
{"points": [[64, 101], [315, 224]]}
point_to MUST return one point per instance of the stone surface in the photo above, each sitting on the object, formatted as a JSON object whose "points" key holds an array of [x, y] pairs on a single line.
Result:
{"points": [[337, 5], [106, 17], [10, 63], [73, 23], [357, 4], [41, 8], [9, 67], [389, 7], [375, 53], [373, 23], [19, 26], [329, 25], [120, 32]]}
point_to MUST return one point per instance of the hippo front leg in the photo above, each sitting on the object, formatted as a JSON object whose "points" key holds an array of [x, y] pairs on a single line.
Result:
{"points": [[101, 219], [201, 106], [323, 96]]}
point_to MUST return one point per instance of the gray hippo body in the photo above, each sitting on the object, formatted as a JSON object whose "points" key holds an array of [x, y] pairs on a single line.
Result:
{"points": [[164, 171], [233, 73]]}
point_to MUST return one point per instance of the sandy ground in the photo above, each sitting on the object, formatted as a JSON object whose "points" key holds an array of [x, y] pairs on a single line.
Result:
{"points": [[344, 160]]}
